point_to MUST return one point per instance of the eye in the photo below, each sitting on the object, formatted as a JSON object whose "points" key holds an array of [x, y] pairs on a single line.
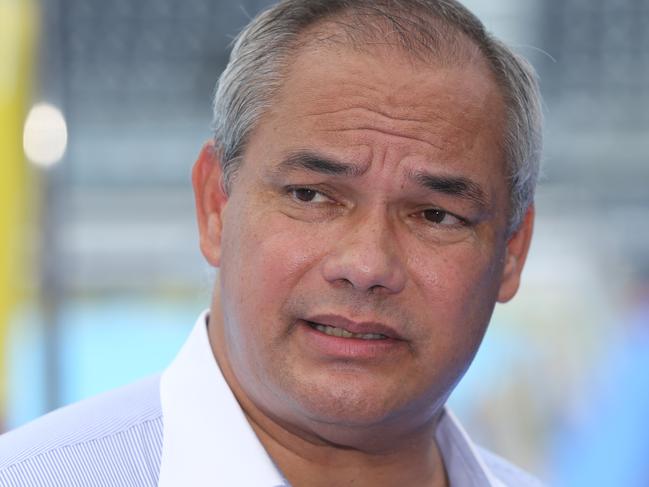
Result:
{"points": [[307, 195], [441, 217]]}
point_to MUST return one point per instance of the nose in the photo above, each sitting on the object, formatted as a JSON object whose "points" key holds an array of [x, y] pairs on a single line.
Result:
{"points": [[367, 258]]}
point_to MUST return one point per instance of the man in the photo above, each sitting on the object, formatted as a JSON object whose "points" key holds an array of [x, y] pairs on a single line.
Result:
{"points": [[367, 198]]}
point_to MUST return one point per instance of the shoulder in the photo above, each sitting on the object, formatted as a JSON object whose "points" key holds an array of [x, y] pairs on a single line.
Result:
{"points": [[507, 473], [111, 439]]}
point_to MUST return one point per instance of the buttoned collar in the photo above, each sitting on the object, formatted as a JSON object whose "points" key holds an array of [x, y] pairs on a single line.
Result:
{"points": [[207, 438]]}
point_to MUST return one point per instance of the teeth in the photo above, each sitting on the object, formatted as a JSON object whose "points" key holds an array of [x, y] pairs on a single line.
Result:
{"points": [[342, 333]]}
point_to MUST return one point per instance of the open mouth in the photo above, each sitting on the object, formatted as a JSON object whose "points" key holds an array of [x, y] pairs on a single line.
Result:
{"points": [[342, 333]]}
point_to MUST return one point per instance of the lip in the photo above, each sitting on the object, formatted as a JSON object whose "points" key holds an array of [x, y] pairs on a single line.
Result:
{"points": [[362, 327], [321, 346]]}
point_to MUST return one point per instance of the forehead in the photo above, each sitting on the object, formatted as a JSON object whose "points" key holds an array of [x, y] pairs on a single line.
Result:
{"points": [[358, 102]]}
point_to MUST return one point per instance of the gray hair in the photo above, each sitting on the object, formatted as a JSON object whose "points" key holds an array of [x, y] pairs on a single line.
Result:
{"points": [[263, 51]]}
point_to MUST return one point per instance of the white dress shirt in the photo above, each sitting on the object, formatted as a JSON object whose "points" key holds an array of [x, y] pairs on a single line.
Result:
{"points": [[185, 428], [207, 435]]}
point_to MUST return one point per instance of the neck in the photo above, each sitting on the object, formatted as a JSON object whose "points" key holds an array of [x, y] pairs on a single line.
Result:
{"points": [[374, 456], [309, 463]]}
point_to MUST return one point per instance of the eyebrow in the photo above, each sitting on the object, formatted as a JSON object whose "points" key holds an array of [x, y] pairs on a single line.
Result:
{"points": [[451, 185], [457, 186], [310, 161]]}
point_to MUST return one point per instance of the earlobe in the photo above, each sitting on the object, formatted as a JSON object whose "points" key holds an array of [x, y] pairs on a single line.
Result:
{"points": [[210, 202], [515, 256]]}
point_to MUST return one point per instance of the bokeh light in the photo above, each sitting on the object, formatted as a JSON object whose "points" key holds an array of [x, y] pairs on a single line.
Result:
{"points": [[45, 136]]}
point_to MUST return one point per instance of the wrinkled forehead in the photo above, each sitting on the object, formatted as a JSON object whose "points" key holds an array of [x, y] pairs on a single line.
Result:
{"points": [[329, 70], [354, 106]]}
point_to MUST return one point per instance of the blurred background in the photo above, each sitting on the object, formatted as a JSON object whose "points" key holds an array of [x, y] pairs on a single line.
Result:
{"points": [[103, 108]]}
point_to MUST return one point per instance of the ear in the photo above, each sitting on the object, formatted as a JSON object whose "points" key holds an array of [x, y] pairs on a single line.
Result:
{"points": [[515, 255], [210, 202]]}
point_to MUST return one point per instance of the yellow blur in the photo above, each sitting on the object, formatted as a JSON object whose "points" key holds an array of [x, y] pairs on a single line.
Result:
{"points": [[18, 25]]}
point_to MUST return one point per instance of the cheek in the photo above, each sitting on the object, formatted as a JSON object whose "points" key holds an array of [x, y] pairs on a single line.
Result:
{"points": [[264, 255], [459, 309], [461, 273], [458, 286], [263, 261], [269, 254]]}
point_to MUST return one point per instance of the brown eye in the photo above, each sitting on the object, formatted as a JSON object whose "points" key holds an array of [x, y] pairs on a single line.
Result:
{"points": [[435, 216], [442, 218], [304, 194], [307, 195]]}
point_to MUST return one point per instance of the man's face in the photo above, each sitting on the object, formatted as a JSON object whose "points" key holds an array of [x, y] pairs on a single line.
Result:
{"points": [[371, 200]]}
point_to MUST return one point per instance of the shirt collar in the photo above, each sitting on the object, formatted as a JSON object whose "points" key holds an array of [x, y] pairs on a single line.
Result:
{"points": [[463, 462], [206, 435], [207, 439]]}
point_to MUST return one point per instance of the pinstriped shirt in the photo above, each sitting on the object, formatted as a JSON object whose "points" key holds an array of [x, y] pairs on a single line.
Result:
{"points": [[111, 439], [163, 431]]}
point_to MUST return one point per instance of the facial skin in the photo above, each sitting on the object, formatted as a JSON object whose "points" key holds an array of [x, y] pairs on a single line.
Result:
{"points": [[372, 196]]}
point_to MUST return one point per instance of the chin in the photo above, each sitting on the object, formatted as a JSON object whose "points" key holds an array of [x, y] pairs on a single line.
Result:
{"points": [[353, 423], [349, 404]]}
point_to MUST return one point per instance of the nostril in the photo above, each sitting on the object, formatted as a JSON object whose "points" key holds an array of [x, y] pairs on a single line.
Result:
{"points": [[342, 283], [376, 289]]}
